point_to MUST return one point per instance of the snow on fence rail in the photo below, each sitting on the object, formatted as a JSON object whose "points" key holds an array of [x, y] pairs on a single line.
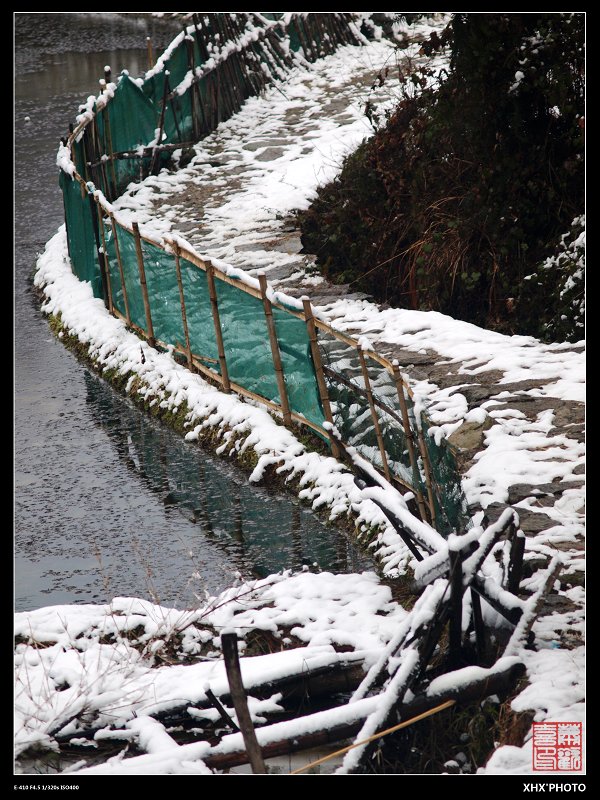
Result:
{"points": [[226, 325]]}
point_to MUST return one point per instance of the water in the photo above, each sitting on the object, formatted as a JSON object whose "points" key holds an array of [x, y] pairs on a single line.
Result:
{"points": [[108, 502]]}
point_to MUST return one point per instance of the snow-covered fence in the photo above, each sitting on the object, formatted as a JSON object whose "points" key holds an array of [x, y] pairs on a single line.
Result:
{"points": [[224, 324]]}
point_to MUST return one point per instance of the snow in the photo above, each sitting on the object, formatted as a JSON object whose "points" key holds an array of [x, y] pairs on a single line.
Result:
{"points": [[100, 661], [88, 665]]}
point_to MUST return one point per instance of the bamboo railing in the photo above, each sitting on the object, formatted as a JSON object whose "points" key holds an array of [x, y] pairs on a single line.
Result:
{"points": [[99, 170]]}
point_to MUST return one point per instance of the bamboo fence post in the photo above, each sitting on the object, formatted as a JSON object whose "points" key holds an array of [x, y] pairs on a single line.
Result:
{"points": [[99, 253], [318, 364], [121, 271], [229, 645], [105, 254], [142, 271], [106, 114], [83, 141], [173, 109], [284, 402], [212, 291], [193, 98], [409, 439], [374, 417], [161, 126], [103, 174], [183, 311], [426, 468], [150, 54]]}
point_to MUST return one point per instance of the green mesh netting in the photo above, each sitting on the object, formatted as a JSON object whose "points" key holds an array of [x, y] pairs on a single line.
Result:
{"points": [[243, 323], [353, 417], [80, 233], [131, 119], [199, 314], [300, 380]]}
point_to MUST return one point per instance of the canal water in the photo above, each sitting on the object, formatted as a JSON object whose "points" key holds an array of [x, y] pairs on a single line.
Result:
{"points": [[107, 501]]}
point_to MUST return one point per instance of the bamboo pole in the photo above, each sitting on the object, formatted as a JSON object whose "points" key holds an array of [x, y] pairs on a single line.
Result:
{"points": [[83, 140], [229, 645], [318, 364], [427, 470], [150, 54], [121, 271], [183, 311], [99, 253], [173, 109], [374, 417], [161, 126], [404, 724], [409, 439], [96, 174], [103, 174], [142, 271], [285, 405], [212, 291], [105, 254], [106, 114], [193, 88]]}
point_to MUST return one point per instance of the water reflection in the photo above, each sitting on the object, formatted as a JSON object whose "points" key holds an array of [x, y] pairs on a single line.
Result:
{"points": [[256, 530], [106, 502]]}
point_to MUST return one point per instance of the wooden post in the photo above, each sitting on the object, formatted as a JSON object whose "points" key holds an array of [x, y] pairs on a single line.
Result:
{"points": [[515, 563], [189, 46], [121, 271], [150, 55], [283, 398], [374, 417], [84, 149], [161, 126], [425, 459], [212, 291], [173, 109], [456, 593], [106, 115], [142, 271], [229, 646], [318, 364], [105, 254], [99, 253], [183, 311], [409, 440], [103, 174]]}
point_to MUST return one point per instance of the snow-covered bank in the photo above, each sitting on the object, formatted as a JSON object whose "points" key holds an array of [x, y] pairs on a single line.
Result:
{"points": [[110, 664], [241, 427]]}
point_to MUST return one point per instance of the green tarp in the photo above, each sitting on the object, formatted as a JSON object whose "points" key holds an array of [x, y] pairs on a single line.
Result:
{"points": [[130, 120]]}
